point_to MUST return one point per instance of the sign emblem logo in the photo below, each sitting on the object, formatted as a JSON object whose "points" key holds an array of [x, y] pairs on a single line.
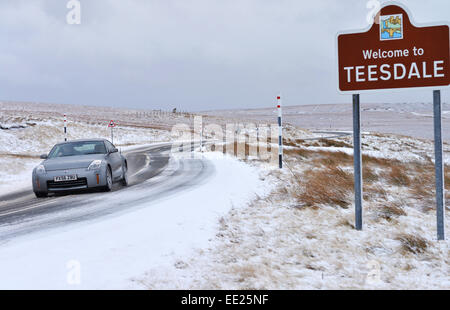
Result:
{"points": [[391, 27]]}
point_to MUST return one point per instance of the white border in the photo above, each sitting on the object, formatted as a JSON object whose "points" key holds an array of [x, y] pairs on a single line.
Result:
{"points": [[411, 19]]}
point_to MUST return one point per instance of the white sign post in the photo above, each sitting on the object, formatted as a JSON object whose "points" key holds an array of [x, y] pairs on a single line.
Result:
{"points": [[112, 125]]}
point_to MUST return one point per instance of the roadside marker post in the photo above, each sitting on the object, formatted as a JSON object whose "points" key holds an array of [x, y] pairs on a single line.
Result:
{"points": [[112, 125], [280, 133], [65, 128], [439, 167], [393, 53], [201, 141]]}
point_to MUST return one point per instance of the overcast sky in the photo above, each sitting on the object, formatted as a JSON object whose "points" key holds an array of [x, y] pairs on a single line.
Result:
{"points": [[190, 54]]}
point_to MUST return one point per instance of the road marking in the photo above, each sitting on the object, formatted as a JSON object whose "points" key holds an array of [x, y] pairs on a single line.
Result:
{"points": [[19, 198], [32, 207]]}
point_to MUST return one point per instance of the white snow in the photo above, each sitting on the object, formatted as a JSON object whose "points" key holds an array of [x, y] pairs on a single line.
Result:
{"points": [[113, 251], [232, 230], [276, 243], [16, 173]]}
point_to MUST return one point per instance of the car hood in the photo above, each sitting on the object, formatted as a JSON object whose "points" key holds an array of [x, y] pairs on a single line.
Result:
{"points": [[71, 162]]}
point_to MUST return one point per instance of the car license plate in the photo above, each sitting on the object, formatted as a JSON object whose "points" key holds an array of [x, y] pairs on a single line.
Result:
{"points": [[64, 178]]}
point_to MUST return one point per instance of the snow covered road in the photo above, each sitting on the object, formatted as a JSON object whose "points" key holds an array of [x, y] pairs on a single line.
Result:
{"points": [[22, 207], [104, 240]]}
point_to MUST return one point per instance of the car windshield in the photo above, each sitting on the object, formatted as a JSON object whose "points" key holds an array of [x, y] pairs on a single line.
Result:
{"points": [[78, 148]]}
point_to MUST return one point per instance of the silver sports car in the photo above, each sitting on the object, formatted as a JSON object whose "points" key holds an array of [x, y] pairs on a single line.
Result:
{"points": [[80, 164]]}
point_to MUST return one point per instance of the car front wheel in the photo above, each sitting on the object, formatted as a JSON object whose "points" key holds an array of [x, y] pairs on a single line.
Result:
{"points": [[124, 175], [109, 182], [41, 195]]}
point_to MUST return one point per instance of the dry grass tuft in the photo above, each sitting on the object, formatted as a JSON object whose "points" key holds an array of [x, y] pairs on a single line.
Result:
{"points": [[312, 143], [326, 186], [369, 175], [389, 212], [244, 272], [328, 159], [376, 191], [397, 176], [335, 143], [420, 167], [293, 142], [413, 244], [422, 185], [19, 155], [347, 223], [302, 153], [382, 162]]}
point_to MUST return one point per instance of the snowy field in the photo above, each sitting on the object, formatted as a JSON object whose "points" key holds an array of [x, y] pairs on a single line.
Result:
{"points": [[407, 119], [302, 235], [249, 225]]}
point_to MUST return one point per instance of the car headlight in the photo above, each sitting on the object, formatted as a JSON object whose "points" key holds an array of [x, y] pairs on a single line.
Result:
{"points": [[40, 169], [96, 164]]}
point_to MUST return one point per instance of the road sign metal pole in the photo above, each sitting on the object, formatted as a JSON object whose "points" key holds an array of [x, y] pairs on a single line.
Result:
{"points": [[439, 167], [112, 135], [357, 160]]}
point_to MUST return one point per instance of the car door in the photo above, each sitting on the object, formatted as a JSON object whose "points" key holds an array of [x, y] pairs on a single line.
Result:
{"points": [[115, 160]]}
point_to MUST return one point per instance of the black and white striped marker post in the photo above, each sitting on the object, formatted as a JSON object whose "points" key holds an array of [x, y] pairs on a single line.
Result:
{"points": [[280, 133], [65, 127]]}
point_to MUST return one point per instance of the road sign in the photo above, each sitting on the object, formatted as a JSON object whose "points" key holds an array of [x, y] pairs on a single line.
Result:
{"points": [[393, 53], [111, 125]]}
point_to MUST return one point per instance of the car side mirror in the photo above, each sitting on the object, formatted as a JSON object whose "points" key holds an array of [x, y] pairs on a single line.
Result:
{"points": [[114, 150], [44, 156]]}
